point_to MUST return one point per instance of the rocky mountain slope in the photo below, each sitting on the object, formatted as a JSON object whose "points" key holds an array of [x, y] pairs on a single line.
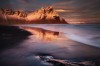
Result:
{"points": [[42, 16]]}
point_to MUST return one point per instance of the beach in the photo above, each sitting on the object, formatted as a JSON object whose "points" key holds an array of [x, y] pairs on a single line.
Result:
{"points": [[22, 43]]}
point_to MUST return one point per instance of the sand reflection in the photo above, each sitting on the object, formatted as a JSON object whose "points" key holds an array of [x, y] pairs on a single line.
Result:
{"points": [[43, 34]]}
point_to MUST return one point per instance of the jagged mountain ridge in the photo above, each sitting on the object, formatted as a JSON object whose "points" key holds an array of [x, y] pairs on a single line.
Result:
{"points": [[42, 16], [44, 13]]}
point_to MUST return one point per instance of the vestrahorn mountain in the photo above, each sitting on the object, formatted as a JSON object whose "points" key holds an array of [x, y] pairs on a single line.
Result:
{"points": [[42, 16]]}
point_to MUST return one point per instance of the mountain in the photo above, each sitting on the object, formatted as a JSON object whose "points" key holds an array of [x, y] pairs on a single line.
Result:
{"points": [[42, 16], [46, 15]]}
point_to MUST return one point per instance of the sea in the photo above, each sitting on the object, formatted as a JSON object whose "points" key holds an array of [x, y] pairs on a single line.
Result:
{"points": [[74, 43]]}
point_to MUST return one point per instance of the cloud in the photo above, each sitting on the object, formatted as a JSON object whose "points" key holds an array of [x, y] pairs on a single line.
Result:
{"points": [[5, 4], [66, 8], [80, 9], [61, 10]]}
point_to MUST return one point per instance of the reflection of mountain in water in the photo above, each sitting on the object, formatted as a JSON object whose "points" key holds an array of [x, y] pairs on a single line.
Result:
{"points": [[42, 33]]}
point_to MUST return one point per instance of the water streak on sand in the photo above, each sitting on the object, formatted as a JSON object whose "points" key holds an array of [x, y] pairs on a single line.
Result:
{"points": [[24, 52]]}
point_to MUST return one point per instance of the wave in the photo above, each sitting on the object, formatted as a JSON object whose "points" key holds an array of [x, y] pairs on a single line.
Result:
{"points": [[87, 34], [93, 41]]}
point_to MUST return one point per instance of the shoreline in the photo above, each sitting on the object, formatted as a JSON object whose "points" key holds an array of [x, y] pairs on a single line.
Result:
{"points": [[62, 49]]}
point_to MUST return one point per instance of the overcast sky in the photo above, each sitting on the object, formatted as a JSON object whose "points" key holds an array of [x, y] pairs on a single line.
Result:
{"points": [[69, 9]]}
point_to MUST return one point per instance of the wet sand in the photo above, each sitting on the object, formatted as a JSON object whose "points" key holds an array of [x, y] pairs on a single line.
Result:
{"points": [[19, 47]]}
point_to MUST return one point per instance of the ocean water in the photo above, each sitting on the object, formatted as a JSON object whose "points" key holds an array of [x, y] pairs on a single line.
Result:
{"points": [[76, 42], [87, 34]]}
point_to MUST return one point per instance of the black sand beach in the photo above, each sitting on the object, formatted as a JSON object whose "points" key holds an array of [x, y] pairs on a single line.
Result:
{"points": [[20, 46]]}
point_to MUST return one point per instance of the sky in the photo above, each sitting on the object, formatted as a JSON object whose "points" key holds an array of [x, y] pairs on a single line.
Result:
{"points": [[71, 10]]}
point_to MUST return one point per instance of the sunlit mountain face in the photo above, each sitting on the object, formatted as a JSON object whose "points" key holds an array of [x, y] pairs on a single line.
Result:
{"points": [[74, 11], [42, 16]]}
